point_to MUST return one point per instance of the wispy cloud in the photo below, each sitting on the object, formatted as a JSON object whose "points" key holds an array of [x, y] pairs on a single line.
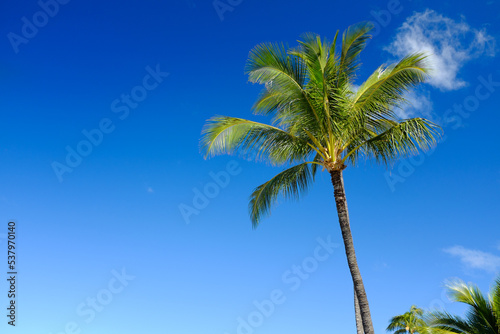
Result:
{"points": [[419, 105], [150, 190], [475, 259], [449, 43]]}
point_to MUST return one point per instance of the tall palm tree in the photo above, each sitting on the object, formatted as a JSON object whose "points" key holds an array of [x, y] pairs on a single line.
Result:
{"points": [[409, 322], [357, 315], [482, 317], [319, 119]]}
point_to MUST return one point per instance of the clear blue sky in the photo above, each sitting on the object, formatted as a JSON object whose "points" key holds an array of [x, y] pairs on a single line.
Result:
{"points": [[102, 244]]}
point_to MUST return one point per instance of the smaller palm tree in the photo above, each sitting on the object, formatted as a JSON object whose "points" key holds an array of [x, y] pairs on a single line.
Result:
{"points": [[409, 322], [483, 316]]}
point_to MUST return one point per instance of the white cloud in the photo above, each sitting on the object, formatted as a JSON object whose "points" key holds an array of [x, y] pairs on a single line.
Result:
{"points": [[354, 88], [419, 105], [450, 45], [150, 190], [475, 259]]}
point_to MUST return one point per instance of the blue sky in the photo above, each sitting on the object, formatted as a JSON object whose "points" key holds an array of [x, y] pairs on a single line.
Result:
{"points": [[103, 245]]}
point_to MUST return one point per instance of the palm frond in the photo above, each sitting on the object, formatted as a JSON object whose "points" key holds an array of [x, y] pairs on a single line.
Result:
{"points": [[384, 90], [284, 96], [231, 135], [481, 312], [444, 322], [315, 53], [397, 322], [270, 62], [480, 317], [495, 300], [353, 42], [400, 140], [290, 184], [317, 116], [327, 95], [411, 321]]}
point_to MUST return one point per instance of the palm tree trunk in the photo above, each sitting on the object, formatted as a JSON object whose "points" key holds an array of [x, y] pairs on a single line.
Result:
{"points": [[357, 314], [340, 200]]}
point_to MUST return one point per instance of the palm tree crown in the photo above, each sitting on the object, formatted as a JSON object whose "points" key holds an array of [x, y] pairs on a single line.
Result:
{"points": [[482, 317], [318, 117], [409, 322]]}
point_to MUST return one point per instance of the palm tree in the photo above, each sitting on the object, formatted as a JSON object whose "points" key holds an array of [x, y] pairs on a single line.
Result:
{"points": [[409, 322], [357, 315], [483, 316], [319, 119]]}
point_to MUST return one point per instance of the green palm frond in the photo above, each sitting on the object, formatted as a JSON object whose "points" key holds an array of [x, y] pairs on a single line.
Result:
{"points": [[400, 140], [408, 322], [290, 184], [315, 54], [271, 62], [481, 312], [353, 42], [396, 322], [481, 317], [232, 135], [317, 116], [495, 300], [284, 96], [384, 90], [444, 322]]}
